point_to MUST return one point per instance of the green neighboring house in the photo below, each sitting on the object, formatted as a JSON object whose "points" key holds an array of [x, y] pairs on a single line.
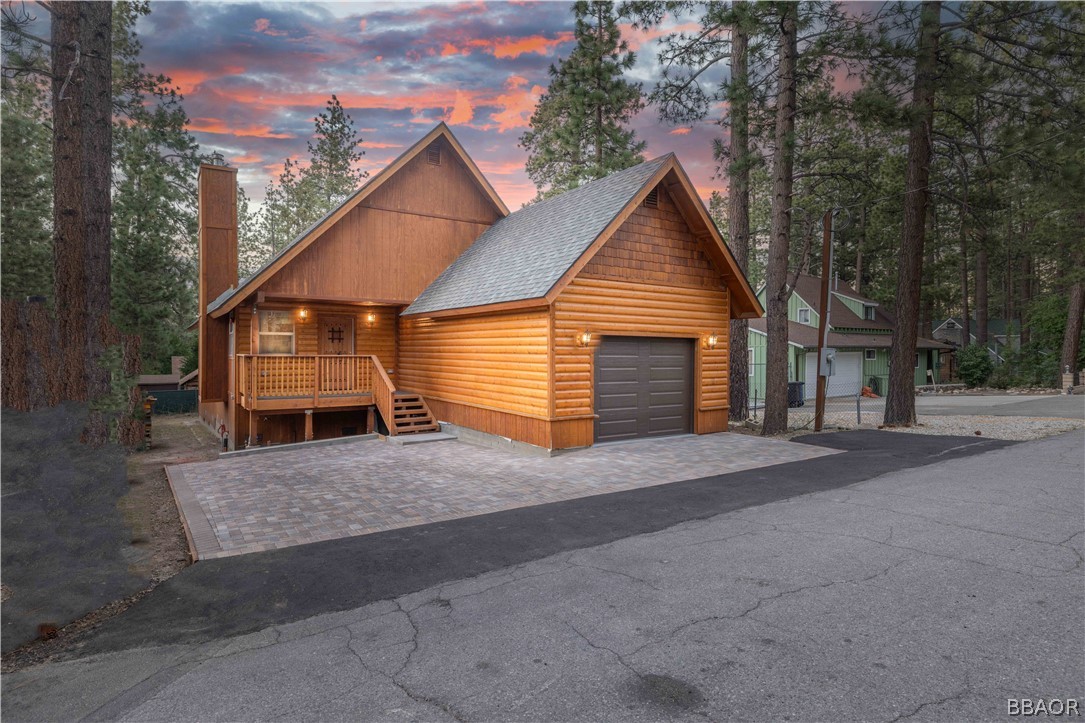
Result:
{"points": [[860, 331]]}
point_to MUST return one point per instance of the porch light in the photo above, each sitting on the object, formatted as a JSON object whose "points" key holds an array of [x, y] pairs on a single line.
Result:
{"points": [[711, 341], [303, 315], [370, 319], [583, 338]]}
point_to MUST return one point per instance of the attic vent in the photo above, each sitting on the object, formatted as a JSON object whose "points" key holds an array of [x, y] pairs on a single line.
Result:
{"points": [[652, 199], [433, 154]]}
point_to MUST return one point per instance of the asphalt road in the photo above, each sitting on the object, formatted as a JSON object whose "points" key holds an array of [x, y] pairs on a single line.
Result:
{"points": [[1052, 405], [931, 590]]}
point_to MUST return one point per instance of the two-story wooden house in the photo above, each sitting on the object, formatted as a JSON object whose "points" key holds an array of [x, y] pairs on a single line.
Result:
{"points": [[860, 330], [600, 314]]}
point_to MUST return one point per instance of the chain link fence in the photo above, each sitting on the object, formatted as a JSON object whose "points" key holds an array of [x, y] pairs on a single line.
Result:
{"points": [[849, 403]]}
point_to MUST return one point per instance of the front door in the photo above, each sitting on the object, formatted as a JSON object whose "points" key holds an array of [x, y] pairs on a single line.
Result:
{"points": [[337, 376], [336, 335]]}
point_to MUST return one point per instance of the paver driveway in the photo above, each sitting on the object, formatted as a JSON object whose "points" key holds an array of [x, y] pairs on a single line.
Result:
{"points": [[299, 495]]}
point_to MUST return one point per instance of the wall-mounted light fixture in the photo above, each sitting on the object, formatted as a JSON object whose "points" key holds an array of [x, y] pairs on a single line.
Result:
{"points": [[583, 338], [711, 341], [370, 319], [303, 315]]}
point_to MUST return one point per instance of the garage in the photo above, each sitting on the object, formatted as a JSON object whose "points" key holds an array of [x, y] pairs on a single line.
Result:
{"points": [[846, 381], [643, 388]]}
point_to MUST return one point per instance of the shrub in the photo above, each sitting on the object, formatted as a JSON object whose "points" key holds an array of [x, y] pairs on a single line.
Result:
{"points": [[975, 365]]}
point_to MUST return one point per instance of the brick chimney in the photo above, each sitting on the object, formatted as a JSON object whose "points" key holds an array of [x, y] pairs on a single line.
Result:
{"points": [[217, 207]]}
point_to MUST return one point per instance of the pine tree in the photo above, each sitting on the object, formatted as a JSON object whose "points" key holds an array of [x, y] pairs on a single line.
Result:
{"points": [[578, 130], [304, 193], [154, 215], [334, 171], [26, 250], [252, 249]]}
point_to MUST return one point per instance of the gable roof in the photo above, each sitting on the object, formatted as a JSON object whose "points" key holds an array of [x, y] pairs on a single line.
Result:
{"points": [[995, 327], [808, 288], [232, 297], [532, 254], [806, 336]]}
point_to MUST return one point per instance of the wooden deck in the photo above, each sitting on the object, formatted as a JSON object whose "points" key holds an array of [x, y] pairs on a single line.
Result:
{"points": [[288, 382], [310, 381]]}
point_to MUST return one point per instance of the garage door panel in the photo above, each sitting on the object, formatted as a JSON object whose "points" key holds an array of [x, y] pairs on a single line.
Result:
{"points": [[845, 382], [643, 387], [677, 374]]}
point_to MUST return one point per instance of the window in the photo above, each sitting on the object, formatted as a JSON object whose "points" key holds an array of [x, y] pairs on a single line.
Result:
{"points": [[804, 316], [951, 324], [868, 312], [871, 354], [230, 350], [276, 332], [916, 361], [433, 154], [652, 199]]}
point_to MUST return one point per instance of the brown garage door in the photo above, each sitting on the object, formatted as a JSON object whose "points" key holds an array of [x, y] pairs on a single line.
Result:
{"points": [[643, 387]]}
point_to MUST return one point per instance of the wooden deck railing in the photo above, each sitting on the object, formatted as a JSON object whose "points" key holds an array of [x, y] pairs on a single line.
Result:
{"points": [[384, 394], [309, 381]]}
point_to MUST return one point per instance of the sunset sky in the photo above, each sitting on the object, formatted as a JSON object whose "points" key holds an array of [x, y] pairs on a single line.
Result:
{"points": [[255, 74]]}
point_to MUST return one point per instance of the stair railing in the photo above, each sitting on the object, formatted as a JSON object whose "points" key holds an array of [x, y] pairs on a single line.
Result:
{"points": [[384, 394]]}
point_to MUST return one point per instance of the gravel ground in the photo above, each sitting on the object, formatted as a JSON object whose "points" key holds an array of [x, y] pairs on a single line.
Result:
{"points": [[1013, 428], [1018, 429]]}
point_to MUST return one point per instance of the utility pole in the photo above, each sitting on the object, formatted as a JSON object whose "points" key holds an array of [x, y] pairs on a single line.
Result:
{"points": [[823, 322]]}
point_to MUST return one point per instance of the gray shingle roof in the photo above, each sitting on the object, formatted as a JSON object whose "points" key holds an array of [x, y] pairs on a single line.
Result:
{"points": [[524, 254]]}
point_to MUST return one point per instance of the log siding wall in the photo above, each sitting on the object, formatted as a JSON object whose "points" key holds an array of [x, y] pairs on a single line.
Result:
{"points": [[622, 308], [651, 278], [497, 362]]}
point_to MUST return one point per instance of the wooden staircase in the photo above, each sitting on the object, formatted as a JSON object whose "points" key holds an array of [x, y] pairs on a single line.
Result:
{"points": [[411, 415]]}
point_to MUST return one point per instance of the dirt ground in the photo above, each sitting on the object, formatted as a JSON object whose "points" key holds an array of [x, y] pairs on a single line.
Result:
{"points": [[155, 524]]}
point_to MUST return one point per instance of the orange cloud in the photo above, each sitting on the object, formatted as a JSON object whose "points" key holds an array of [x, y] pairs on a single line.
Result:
{"points": [[636, 38], [220, 127], [363, 24], [680, 131], [515, 47], [462, 110], [263, 25], [376, 144], [188, 80], [247, 158], [518, 104], [449, 49], [500, 168]]}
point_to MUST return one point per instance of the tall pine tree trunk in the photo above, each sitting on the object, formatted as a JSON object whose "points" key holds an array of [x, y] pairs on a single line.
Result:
{"points": [[97, 209], [69, 225], [1071, 338], [966, 314], [900, 400], [926, 307], [859, 244], [82, 154], [776, 291], [1024, 291], [738, 217], [983, 299]]}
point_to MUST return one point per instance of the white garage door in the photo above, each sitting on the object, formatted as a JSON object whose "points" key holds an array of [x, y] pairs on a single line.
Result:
{"points": [[848, 378]]}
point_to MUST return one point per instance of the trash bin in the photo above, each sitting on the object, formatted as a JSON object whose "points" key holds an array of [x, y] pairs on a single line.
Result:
{"points": [[875, 386], [796, 394]]}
